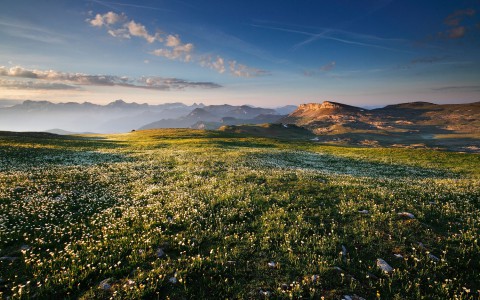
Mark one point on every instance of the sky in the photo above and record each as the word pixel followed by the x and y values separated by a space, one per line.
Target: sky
pixel 263 53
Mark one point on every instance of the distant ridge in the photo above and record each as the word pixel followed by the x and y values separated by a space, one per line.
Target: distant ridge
pixel 333 117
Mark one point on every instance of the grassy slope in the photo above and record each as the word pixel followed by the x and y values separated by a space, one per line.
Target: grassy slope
pixel 222 206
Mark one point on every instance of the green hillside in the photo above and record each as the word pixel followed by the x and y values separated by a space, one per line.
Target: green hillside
pixel 191 214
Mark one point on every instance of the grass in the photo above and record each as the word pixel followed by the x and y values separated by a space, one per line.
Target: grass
pixel 235 217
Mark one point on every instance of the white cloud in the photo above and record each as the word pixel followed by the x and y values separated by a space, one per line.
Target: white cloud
pixel 240 70
pixel 31 85
pixel 119 33
pixel 109 18
pixel 119 26
pixel 173 41
pixel 137 29
pixel 218 64
pixel 178 50
pixel 51 79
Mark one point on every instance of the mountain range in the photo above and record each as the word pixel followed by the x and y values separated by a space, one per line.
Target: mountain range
pixel 119 116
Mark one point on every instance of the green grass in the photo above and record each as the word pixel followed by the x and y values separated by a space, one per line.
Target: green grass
pixel 75 211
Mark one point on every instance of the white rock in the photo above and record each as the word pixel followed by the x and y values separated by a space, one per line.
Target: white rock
pixel 173 280
pixel 405 214
pixel 398 255
pixel 384 266
pixel 363 212
pixel 272 264
pixel 105 284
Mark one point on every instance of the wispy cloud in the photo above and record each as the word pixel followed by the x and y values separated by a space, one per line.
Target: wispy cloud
pixel 31 85
pixel 51 79
pixel 172 47
pixel 176 50
pixel 342 36
pixel 428 59
pixel 109 4
pixel 455 21
pixel 25 30
pixel 452 88
pixel 323 69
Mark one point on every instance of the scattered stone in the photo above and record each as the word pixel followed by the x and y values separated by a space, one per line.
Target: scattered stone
pixel 315 278
pixel 398 255
pixel 160 253
pixel 433 257
pixel 172 280
pixel 231 262
pixel 344 253
pixel 384 266
pixel 25 248
pixel 354 297
pixel 130 282
pixel 363 212
pixel 8 258
pixel 406 215
pixel 105 284
pixel 265 293
pixel 18 189
pixel 272 264
pixel 338 269
pixel 284 286
pixel 432 202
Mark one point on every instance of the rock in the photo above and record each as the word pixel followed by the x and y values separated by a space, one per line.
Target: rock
pixel 372 276
pixel 338 269
pixel 284 286
pixel 363 212
pixel 354 297
pixel 272 264
pixel 406 215
pixel 265 293
pixel 398 255
pixel 25 248
pixel 384 266
pixel 8 258
pixel 344 253
pixel 105 284
pixel 19 189
pixel 433 257
pixel 172 280
pixel 160 253
pixel 315 278
pixel 130 282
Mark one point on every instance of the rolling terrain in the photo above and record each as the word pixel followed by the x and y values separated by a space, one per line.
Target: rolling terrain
pixel 184 214
pixel 414 125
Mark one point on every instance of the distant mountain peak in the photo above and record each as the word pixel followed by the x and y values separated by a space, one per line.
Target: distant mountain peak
pixel 325 105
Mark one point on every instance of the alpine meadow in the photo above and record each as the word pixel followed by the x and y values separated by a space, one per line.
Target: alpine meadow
pixel 181 149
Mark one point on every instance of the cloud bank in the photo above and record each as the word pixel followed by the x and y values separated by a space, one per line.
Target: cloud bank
pixel 50 79
pixel 172 47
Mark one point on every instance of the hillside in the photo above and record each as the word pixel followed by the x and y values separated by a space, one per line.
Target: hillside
pixel 195 214
pixel 215 116
pixel 455 126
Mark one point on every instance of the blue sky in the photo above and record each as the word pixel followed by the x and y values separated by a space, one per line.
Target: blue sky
pixel 264 53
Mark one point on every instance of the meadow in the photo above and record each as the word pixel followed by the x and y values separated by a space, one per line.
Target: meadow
pixel 190 214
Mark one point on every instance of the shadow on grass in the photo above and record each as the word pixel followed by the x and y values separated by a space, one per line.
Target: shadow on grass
pixel 331 164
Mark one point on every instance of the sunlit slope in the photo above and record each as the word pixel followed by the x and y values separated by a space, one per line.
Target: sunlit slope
pixel 208 214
